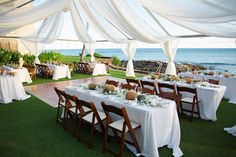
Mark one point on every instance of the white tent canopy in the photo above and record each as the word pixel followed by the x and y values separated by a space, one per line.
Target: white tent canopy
pixel 119 21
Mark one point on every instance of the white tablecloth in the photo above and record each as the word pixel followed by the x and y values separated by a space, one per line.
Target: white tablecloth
pixel 159 125
pixel 230 83
pixel 11 88
pixel 60 71
pixel 22 73
pixel 99 69
pixel 210 98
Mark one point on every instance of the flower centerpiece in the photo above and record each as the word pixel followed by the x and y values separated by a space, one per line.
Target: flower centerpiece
pixel 164 77
pixel 92 86
pixel 131 95
pixel 109 89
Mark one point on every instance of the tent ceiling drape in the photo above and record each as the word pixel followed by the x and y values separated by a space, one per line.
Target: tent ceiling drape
pixel 120 21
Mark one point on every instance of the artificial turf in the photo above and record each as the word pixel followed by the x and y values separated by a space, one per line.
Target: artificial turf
pixel 29 129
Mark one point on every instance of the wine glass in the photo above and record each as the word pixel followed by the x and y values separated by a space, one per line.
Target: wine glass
pixel 139 90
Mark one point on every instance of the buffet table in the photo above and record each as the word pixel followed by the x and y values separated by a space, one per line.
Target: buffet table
pixel 59 71
pixel 11 88
pixel 210 97
pixel 159 124
pixel 230 83
pixel 99 69
pixel 21 73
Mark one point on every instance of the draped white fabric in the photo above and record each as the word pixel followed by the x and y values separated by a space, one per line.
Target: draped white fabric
pixel 98 22
pixel 170 47
pixel 34 48
pixel 213 18
pixel 125 18
pixel 32 15
pixel 92 51
pixel 79 25
pixel 48 32
pixel 119 21
pixel 129 53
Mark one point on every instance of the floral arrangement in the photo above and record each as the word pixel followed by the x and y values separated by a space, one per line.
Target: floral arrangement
pixel 109 89
pixel 130 95
pixel 92 86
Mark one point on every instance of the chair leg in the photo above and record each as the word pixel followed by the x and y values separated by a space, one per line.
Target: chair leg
pixel 198 110
pixel 135 142
pixel 78 131
pixel 65 118
pixel 122 144
pixel 91 136
pixel 75 125
pixel 193 106
pixel 105 139
pixel 58 110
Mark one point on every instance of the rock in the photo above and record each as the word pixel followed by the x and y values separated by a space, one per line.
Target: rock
pixel 152 66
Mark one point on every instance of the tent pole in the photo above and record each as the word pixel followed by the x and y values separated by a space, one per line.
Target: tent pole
pixel 82 53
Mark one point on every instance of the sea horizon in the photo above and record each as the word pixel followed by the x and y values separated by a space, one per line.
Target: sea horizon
pixel 215 59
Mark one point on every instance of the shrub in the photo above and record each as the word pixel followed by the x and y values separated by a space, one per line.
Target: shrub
pixel 96 54
pixel 29 59
pixel 50 56
pixel 116 61
pixel 9 55
pixel 15 56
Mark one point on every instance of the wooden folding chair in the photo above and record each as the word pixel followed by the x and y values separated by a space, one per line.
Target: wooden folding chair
pixel 135 82
pixel 168 91
pixel 123 126
pixel 149 87
pixel 92 118
pixel 189 100
pixel 61 105
pixel 73 109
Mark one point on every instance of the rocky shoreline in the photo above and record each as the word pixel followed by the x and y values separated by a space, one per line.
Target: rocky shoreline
pixel 152 66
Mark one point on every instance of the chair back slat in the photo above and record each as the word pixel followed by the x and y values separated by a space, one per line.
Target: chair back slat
pixel 128 86
pixel 112 109
pixel 212 81
pixel 186 89
pixel 61 95
pixel 112 82
pixel 133 82
pixel 149 87
pixel 162 86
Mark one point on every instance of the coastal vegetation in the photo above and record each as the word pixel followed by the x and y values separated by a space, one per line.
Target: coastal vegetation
pixel 50 56
pixel 116 61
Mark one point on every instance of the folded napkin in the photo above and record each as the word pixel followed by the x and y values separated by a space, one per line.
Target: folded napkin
pixel 231 130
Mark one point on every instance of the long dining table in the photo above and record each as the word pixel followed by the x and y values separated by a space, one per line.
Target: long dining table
pixel 159 122
pixel 230 83
pixel 209 95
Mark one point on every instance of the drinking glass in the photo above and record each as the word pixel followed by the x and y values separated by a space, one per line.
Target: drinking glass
pixel 139 90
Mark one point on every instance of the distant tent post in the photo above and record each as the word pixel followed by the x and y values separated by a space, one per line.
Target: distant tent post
pixel 82 53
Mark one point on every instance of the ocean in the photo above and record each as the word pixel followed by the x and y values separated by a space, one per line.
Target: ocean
pixel 216 59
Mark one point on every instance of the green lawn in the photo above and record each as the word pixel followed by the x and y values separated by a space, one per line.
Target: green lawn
pixel 71 59
pixel 29 129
